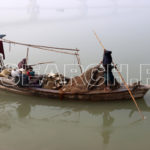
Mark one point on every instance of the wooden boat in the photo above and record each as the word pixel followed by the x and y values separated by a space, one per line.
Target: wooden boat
pixel 94 95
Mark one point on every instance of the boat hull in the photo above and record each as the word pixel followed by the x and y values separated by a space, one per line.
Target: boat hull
pixel 119 94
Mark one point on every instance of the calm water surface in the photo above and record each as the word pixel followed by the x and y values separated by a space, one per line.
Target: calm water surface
pixel 35 123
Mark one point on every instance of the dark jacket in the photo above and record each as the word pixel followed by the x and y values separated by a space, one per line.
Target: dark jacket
pixel 107 59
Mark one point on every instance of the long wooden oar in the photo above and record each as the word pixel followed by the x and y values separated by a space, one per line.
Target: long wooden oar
pixel 126 85
pixel 99 40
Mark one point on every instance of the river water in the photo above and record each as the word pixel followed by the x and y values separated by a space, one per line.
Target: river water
pixel 36 123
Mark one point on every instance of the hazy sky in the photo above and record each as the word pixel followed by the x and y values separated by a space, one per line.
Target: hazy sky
pixel 73 3
pixel 123 26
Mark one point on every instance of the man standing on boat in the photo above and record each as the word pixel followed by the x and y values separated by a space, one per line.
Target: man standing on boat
pixel 107 64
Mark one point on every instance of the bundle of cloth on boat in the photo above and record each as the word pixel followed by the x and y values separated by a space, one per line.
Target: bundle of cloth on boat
pixel 22 77
pixel 54 81
pixel 5 73
pixel 92 79
pixel 27 78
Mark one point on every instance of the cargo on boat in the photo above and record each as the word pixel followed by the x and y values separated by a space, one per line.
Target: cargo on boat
pixel 97 94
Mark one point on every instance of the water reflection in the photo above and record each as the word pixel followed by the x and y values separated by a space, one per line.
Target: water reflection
pixel 5 124
pixel 107 127
pixel 25 109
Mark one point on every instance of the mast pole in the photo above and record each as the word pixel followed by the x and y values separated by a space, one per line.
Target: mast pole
pixel 27 55
pixel 79 62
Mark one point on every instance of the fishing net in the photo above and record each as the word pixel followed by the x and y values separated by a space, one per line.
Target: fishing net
pixel 92 79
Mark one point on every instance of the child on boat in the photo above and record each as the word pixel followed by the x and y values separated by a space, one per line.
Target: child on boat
pixel 30 72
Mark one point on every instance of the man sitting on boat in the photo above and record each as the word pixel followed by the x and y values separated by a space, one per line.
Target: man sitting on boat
pixel 22 64
pixel 107 64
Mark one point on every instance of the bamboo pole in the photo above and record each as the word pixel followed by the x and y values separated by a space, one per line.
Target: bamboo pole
pixel 9 47
pixel 42 63
pixel 35 46
pixel 67 49
pixel 99 40
pixel 126 85
pixel 27 55
pixel 31 45
pixel 79 62
pixel 56 51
